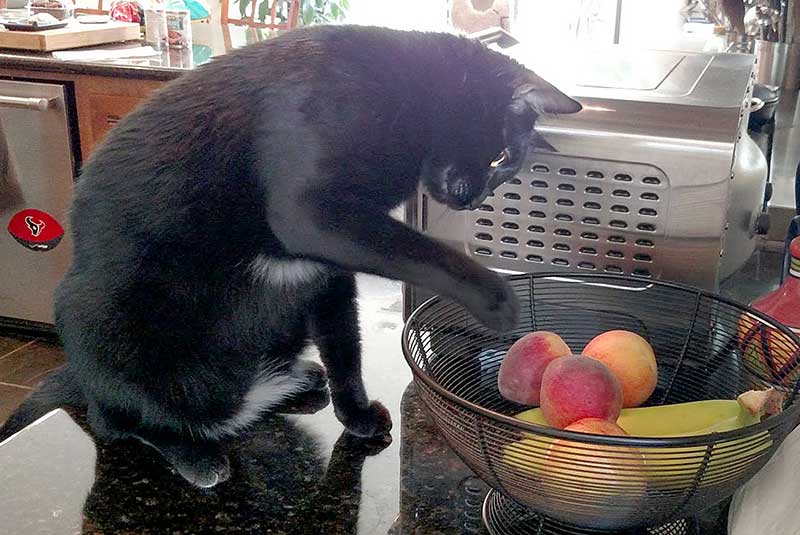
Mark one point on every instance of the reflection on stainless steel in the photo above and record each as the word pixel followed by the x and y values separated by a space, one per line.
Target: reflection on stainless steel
pixel 771 62
pixel 785 159
pixel 37 104
pixel 750 168
pixel 39 142
pixel 10 190
pixel 655 177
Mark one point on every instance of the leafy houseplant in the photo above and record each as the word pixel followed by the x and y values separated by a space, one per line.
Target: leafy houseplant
pixel 311 11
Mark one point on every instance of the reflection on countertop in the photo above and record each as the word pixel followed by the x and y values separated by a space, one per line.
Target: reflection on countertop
pixel 208 40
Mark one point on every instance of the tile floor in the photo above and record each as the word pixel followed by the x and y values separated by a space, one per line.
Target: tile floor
pixel 23 363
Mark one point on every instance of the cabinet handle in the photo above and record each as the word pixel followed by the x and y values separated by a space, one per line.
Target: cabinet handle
pixel 36 104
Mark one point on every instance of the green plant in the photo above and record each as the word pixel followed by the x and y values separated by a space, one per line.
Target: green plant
pixel 322 11
pixel 311 11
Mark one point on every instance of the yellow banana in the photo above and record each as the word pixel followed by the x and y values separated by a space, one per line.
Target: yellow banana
pixel 688 419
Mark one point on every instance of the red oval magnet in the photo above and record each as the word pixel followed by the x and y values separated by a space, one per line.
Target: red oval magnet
pixel 36 230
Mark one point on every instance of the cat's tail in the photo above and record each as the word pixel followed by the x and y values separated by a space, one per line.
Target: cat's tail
pixel 60 388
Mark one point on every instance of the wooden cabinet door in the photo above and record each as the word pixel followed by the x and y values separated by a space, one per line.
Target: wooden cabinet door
pixel 106 111
pixel 103 101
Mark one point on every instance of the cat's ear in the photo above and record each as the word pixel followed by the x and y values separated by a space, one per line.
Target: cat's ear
pixel 542 98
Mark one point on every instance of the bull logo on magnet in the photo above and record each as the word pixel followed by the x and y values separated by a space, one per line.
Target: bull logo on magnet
pixel 35 230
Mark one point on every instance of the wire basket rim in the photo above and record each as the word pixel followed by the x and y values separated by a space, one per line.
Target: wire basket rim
pixel 646 442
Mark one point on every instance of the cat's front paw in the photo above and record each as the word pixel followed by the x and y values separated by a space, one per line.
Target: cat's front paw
pixel 372 421
pixel 498 306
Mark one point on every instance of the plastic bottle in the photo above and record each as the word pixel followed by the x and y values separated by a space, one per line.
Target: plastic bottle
pixel 155 25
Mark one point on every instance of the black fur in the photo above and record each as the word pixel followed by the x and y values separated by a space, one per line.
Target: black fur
pixel 294 148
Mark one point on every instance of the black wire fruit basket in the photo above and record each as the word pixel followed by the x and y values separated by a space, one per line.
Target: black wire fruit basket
pixel 707 348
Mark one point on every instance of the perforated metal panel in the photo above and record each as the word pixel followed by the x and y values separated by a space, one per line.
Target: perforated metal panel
pixel 574 213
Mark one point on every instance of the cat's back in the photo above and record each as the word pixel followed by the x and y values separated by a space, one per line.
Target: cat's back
pixel 192 148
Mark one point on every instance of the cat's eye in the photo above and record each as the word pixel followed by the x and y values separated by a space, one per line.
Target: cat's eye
pixel 500 160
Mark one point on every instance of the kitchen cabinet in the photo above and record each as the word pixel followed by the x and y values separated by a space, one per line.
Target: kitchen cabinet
pixel 102 102
pixel 98 102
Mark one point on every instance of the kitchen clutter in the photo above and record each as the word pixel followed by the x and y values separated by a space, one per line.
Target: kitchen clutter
pixel 166 23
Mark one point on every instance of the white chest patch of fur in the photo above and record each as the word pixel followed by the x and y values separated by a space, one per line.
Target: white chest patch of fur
pixel 282 272
pixel 268 390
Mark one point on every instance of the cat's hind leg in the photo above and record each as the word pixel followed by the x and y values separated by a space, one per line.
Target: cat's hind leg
pixel 271 388
pixel 312 400
pixel 200 461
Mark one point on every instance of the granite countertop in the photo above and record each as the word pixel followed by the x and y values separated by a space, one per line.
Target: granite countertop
pixel 208 40
pixel 291 473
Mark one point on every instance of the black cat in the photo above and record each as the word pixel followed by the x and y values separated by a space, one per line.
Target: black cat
pixel 218 227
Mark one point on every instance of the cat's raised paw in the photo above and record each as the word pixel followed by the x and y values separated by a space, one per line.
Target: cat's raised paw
pixel 498 308
pixel 372 421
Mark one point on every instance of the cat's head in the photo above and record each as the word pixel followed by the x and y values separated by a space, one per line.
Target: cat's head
pixel 469 164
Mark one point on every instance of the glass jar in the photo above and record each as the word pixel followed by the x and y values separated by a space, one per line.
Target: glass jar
pixel 155 26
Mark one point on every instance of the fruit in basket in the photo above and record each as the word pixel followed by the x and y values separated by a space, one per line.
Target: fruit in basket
pixel 520 376
pixel 664 467
pixel 631 359
pixel 577 387
pixel 596 426
pixel 596 467
pixel 569 466
pixel 692 418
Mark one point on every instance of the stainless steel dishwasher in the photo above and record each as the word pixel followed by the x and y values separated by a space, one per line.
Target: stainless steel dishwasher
pixel 37 171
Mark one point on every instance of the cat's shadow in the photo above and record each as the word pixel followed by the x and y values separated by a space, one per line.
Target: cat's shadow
pixel 279 484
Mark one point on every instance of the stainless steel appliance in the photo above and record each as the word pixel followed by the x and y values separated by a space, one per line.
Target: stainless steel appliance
pixel 656 177
pixel 37 169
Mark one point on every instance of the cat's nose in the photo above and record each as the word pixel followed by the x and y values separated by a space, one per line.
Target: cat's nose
pixel 460 191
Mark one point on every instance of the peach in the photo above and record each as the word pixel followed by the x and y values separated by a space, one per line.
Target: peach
pixel 600 470
pixel 631 359
pixel 596 426
pixel 577 387
pixel 520 376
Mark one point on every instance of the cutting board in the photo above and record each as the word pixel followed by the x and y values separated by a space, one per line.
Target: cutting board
pixel 73 36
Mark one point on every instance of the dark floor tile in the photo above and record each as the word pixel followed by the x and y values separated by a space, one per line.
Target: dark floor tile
pixel 9 344
pixel 10 398
pixel 28 365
